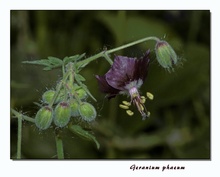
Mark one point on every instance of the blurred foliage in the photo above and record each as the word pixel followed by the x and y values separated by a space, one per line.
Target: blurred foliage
pixel 179 126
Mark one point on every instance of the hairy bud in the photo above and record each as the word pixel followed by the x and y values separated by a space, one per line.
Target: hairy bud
pixel 87 111
pixel 165 55
pixel 62 114
pixel 44 118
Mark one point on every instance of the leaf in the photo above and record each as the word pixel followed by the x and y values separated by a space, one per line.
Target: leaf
pixel 81 56
pixel 50 63
pixel 43 62
pixel 78 130
pixel 70 59
pixel 80 77
pixel 55 61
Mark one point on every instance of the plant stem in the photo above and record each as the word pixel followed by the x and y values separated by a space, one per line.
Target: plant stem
pixel 59 146
pixel 108 58
pixel 17 114
pixel 66 75
pixel 106 52
pixel 133 43
pixel 19 136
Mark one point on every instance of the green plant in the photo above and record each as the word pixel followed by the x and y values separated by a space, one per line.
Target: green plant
pixel 68 103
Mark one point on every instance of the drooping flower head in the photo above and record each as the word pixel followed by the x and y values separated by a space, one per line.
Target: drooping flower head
pixel 125 77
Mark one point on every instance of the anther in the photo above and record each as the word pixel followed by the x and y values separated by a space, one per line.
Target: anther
pixel 143 99
pixel 142 107
pixel 123 106
pixel 126 103
pixel 150 95
pixel 129 112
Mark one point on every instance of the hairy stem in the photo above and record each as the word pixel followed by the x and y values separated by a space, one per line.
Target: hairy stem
pixel 66 75
pixel 106 52
pixel 133 43
pixel 24 117
pixel 59 145
pixel 19 136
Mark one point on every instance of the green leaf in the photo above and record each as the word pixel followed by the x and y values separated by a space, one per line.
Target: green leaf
pixel 80 66
pixel 81 56
pixel 43 62
pixel 55 61
pixel 50 63
pixel 78 130
pixel 70 59
pixel 80 77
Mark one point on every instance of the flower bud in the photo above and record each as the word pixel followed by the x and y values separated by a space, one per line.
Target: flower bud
pixel 62 114
pixel 87 111
pixel 81 94
pixel 44 117
pixel 165 55
pixel 74 108
pixel 48 96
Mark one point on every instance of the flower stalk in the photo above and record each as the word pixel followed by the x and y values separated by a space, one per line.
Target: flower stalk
pixel 106 52
pixel 19 136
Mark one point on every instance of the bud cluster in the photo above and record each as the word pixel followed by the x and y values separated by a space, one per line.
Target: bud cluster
pixel 68 100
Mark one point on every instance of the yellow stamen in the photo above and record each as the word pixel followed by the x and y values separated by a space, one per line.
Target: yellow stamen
pixel 129 112
pixel 148 114
pixel 143 99
pixel 150 95
pixel 123 106
pixel 142 107
pixel 126 103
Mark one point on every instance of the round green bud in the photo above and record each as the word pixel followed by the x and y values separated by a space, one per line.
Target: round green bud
pixel 74 108
pixel 62 114
pixel 44 117
pixel 87 111
pixel 81 93
pixel 165 55
pixel 48 96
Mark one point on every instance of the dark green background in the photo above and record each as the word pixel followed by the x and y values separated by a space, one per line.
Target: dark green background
pixel 179 126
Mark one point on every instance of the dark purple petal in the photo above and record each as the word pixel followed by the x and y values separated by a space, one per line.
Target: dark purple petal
pixel 142 65
pixel 121 73
pixel 125 70
pixel 106 88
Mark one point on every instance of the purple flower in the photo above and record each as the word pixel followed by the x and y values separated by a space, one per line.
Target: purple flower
pixel 125 77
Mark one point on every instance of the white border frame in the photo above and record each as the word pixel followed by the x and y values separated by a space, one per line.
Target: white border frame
pixel 105 168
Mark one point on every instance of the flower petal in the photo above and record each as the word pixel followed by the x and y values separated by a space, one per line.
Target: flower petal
pixel 122 72
pixel 106 88
pixel 125 70
pixel 142 65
